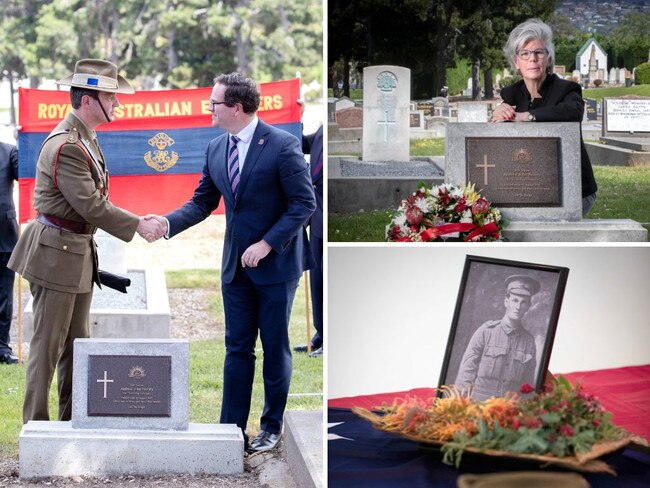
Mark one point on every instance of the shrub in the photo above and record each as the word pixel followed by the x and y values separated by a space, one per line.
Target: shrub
pixel 597 83
pixel 642 74
pixel 503 82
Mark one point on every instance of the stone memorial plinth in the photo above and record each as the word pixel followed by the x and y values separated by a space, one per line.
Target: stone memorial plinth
pixel 531 172
pixel 528 171
pixel 130 415
pixel 386 110
pixel 143 312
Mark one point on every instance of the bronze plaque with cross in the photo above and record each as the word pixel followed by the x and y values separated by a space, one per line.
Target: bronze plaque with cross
pixel 129 386
pixel 516 171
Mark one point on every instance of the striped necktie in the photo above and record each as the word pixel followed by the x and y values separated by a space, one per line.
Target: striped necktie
pixel 233 164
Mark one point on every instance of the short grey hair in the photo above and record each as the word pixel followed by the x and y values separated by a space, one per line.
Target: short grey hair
pixel 532 29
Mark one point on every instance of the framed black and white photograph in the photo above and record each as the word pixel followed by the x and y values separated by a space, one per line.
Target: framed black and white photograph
pixel 503 326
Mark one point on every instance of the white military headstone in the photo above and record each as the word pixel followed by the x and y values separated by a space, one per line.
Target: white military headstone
pixel 386 110
pixel 472 112
pixel 623 115
pixel 613 76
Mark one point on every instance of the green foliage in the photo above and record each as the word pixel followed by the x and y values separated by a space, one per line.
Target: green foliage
pixel 642 74
pixel 171 43
pixel 563 422
pixel 503 82
pixel 457 76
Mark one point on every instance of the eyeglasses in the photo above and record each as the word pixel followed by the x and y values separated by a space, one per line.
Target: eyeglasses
pixel 539 53
pixel 213 104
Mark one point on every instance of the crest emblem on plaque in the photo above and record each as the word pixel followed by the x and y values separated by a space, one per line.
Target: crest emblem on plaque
pixel 161 158
pixel 522 155
pixel 137 372
pixel 386 81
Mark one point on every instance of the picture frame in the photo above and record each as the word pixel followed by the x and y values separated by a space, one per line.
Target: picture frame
pixel 503 326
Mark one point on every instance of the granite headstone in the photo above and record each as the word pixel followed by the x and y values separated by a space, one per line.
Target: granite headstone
pixel 528 171
pixel 386 110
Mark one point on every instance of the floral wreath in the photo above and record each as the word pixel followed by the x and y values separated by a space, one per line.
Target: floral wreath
pixel 445 212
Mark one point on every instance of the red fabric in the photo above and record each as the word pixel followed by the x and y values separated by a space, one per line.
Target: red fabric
pixel 623 391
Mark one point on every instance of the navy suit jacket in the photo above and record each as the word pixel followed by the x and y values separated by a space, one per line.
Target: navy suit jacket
pixel 313 145
pixel 275 199
pixel 8 173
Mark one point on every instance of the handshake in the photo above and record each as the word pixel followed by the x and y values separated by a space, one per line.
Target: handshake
pixel 152 227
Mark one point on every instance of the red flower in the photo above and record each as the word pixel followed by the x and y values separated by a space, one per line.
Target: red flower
pixel 566 430
pixel 516 423
pixel 444 197
pixel 414 216
pixel 526 389
pixel 532 422
pixel 480 206
pixel 461 205
pixel 595 423
pixel 430 234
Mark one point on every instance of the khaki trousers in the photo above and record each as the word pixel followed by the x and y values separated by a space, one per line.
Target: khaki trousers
pixel 59 318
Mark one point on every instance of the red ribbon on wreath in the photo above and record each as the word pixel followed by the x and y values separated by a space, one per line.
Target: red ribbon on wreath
pixel 441 230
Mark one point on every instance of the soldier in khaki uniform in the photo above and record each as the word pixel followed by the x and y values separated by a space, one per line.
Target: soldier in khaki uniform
pixel 57 253
pixel 500 356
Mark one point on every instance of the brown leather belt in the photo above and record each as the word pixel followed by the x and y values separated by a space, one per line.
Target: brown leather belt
pixel 65 224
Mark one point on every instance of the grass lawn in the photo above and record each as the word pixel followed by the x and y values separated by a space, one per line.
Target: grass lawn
pixel 419 147
pixel 623 193
pixel 616 91
pixel 206 372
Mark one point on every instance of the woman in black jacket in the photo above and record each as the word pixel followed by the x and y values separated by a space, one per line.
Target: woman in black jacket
pixel 542 96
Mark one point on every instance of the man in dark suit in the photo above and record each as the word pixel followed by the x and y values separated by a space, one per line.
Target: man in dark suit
pixel 261 174
pixel 313 144
pixel 8 239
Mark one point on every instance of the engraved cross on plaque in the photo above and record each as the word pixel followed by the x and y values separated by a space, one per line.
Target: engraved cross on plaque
pixel 386 123
pixel 105 381
pixel 485 167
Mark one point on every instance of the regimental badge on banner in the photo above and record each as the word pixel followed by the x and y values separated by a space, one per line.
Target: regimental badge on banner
pixel 161 160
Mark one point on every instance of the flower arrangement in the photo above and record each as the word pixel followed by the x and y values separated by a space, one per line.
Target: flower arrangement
pixel 558 423
pixel 442 212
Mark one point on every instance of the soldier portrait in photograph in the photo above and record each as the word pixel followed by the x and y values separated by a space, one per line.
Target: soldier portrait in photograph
pixel 503 327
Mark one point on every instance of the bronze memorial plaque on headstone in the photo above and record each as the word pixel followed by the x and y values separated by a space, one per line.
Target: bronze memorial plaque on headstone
pixel 129 386
pixel 516 172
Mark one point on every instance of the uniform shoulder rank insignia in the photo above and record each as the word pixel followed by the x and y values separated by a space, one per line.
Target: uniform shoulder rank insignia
pixel 73 136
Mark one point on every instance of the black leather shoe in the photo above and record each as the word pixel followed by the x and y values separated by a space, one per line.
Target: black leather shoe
pixel 8 358
pixel 300 348
pixel 264 442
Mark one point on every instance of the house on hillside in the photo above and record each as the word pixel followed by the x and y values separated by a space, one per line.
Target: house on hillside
pixel 584 56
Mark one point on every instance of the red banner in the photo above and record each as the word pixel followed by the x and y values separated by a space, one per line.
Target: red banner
pixel 180 118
